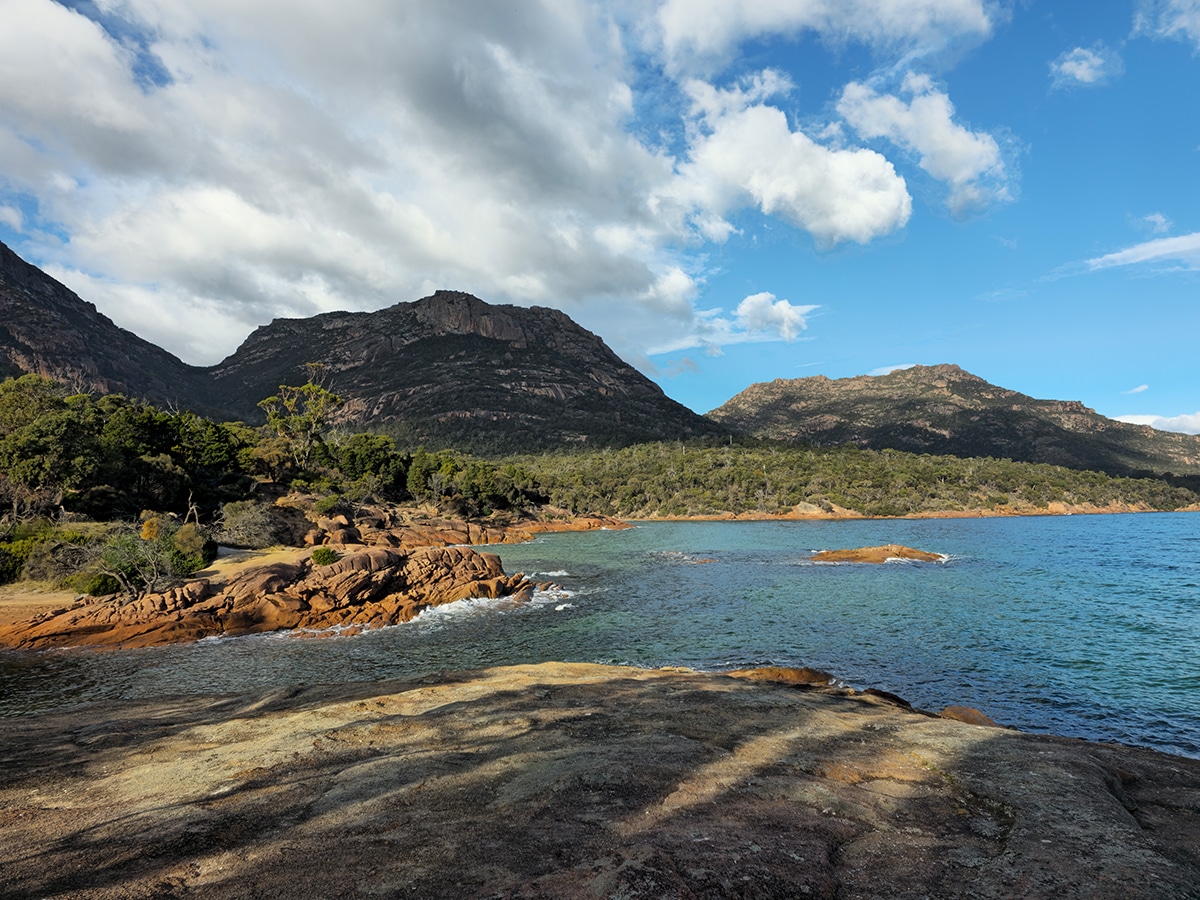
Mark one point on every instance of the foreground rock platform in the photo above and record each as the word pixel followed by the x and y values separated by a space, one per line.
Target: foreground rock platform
pixel 579 781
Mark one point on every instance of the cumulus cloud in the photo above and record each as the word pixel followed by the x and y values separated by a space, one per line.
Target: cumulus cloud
pixel 286 160
pixel 1178 19
pixel 969 162
pixel 199 168
pixel 1085 67
pixel 1179 252
pixel 701 34
pixel 746 154
pixel 758 317
pixel 1186 424
pixel 762 314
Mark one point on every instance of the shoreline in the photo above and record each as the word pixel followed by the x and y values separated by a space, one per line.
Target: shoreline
pixel 20 604
pixel 841 514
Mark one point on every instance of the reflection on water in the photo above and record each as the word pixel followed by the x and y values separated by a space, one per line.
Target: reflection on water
pixel 1085 626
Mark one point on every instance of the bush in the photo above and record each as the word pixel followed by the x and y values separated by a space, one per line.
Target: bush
pixel 94 584
pixel 13 556
pixel 248 524
pixel 325 556
pixel 327 505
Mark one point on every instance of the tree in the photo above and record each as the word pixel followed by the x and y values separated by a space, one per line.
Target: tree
pixel 145 559
pixel 300 414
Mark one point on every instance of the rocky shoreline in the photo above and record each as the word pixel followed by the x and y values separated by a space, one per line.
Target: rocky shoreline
pixel 389 569
pixel 573 780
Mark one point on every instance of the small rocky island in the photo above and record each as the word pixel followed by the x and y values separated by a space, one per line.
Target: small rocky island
pixel 880 554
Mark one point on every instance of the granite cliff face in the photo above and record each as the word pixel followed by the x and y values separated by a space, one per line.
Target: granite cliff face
pixel 46 329
pixel 451 368
pixel 448 369
pixel 945 410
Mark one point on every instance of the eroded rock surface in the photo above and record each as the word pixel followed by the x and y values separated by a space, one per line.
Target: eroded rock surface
pixel 578 781
pixel 390 571
pixel 369 588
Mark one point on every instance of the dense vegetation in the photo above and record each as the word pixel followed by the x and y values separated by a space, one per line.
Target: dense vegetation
pixel 688 480
pixel 105 494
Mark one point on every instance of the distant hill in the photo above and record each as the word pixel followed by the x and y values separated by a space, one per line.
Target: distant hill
pixel 447 370
pixel 945 410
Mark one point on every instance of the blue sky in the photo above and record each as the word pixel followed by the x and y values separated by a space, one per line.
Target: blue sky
pixel 727 191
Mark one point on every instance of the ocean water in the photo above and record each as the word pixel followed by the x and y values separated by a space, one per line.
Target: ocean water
pixel 1086 626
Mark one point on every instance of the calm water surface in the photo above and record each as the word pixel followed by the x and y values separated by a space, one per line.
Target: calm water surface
pixel 1086 626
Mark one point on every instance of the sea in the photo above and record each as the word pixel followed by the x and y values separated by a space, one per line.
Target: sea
pixel 1082 626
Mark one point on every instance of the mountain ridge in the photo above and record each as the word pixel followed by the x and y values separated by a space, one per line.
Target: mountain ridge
pixel 448 369
pixel 945 410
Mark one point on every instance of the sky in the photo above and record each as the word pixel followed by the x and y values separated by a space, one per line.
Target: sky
pixel 726 191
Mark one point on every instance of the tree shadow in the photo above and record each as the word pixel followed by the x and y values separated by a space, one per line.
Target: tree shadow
pixel 579 781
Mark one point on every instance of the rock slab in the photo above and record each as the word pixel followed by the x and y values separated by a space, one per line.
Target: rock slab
pixel 580 781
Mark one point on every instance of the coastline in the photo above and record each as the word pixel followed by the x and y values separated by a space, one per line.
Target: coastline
pixel 840 514
pixel 21 603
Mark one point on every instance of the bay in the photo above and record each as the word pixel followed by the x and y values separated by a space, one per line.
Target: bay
pixel 1085 626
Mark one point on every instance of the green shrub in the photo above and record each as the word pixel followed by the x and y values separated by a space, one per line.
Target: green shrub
pixel 94 584
pixel 327 505
pixel 324 556
pixel 13 556
pixel 248 524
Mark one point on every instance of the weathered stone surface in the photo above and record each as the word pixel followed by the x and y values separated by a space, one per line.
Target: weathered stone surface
pixel 407 567
pixel 876 554
pixel 969 715
pixel 577 781
pixel 372 587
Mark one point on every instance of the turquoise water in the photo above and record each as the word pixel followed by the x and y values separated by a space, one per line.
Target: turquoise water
pixel 1087 626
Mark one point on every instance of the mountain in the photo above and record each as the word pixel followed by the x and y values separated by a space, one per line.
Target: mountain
pixel 945 410
pixel 46 329
pixel 452 369
pixel 447 370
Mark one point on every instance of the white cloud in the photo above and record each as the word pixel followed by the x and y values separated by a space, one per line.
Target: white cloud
pixel 11 216
pixel 1085 67
pixel 763 314
pixel 969 162
pixel 1157 223
pixel 744 153
pixel 292 160
pixel 1141 388
pixel 1169 19
pixel 1182 251
pixel 888 370
pixel 758 317
pixel 213 165
pixel 700 34
pixel 1186 424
